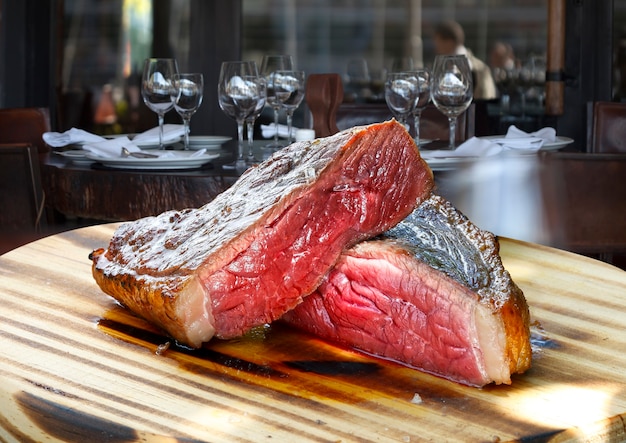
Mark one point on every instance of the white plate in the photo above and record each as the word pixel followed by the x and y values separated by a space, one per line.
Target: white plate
pixel 147 145
pixel 78 157
pixel 549 146
pixel 448 163
pixel 207 141
pixel 176 160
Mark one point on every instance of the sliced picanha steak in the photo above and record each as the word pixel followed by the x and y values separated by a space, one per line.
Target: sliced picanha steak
pixel 256 250
pixel 431 293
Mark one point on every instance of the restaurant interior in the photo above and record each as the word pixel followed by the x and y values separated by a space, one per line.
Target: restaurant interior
pixel 81 61
pixel 348 297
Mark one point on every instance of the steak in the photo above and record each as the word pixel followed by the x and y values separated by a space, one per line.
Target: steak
pixel 431 293
pixel 257 249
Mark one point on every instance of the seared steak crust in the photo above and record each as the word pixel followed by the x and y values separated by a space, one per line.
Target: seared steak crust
pixel 258 248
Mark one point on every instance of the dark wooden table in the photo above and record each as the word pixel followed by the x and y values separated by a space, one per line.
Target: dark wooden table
pixel 99 193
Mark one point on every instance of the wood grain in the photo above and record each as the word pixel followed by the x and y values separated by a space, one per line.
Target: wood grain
pixel 75 366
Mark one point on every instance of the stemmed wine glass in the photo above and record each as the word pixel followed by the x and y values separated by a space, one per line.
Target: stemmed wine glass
pixel 358 76
pixel 270 64
pixel 401 94
pixel 238 92
pixel 451 88
pixel 288 87
pixel 156 87
pixel 422 100
pixel 187 94
pixel 252 118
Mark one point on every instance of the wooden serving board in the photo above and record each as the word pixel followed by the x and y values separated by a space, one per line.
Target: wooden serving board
pixel 75 366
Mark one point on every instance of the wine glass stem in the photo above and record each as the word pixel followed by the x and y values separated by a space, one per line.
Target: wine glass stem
pixel 416 123
pixel 186 122
pixel 289 123
pixel 452 121
pixel 161 119
pixel 240 140
pixel 250 127
pixel 276 125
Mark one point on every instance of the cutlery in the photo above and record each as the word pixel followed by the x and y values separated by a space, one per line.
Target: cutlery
pixel 126 153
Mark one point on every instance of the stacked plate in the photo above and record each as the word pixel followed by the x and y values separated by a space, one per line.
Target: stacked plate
pixel 209 142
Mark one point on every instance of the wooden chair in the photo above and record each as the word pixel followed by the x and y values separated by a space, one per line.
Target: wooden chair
pixel 25 125
pixel 324 94
pixel 21 196
pixel 607 127
pixel 585 202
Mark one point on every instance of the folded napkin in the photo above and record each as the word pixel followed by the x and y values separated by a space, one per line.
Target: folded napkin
pixel 268 131
pixel 151 136
pixel 70 137
pixel 111 148
pixel 546 134
pixel 516 139
pixel 473 147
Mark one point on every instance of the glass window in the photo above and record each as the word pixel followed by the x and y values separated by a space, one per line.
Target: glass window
pixel 327 36
pixel 323 35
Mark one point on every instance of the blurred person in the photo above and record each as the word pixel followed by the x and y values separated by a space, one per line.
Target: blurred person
pixel 502 56
pixel 503 63
pixel 449 39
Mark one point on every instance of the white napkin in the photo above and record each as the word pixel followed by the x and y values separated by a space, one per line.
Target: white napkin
pixel 170 132
pixel 546 134
pixel 198 153
pixel 268 131
pixel 516 139
pixel 111 148
pixel 69 137
pixel 473 147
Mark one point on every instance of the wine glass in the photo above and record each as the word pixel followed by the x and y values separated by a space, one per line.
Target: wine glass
pixel 187 97
pixel 402 64
pixel 156 87
pixel 358 76
pixel 422 100
pixel 238 92
pixel 252 118
pixel 451 88
pixel 288 87
pixel 270 64
pixel 401 94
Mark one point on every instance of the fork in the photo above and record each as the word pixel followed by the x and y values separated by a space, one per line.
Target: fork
pixel 126 153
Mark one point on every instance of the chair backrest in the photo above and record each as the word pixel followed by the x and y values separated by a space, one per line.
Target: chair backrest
pixel 608 131
pixel 25 125
pixel 433 124
pixel 585 201
pixel 324 94
pixel 21 195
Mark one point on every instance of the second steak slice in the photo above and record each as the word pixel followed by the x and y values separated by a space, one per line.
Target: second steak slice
pixel 431 293
pixel 256 250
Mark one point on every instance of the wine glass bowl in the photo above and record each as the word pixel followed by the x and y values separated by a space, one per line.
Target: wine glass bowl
pixel 156 88
pixel 401 94
pixel 358 79
pixel 288 88
pixel 452 88
pixel 269 65
pixel 187 95
pixel 238 91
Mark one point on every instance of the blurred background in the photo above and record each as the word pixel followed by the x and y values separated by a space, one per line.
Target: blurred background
pixel 92 51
